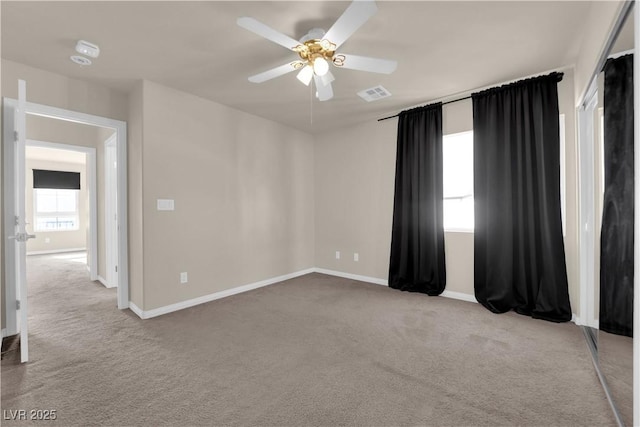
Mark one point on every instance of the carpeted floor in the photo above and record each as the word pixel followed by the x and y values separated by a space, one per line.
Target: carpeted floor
pixel 316 350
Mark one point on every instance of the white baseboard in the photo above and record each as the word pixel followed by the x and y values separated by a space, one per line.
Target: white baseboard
pixel 104 282
pixel 212 297
pixel 137 310
pixel 367 279
pixel 56 251
pixel 148 314
pixel 459 295
pixel 446 294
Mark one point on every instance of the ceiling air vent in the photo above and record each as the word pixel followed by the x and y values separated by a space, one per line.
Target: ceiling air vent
pixel 374 93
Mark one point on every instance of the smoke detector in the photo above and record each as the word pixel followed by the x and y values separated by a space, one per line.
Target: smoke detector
pixel 86 48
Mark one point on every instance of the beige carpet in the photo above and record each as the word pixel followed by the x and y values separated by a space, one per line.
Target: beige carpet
pixel 316 350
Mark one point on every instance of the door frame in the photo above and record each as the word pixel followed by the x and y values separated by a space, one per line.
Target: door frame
pixel 636 219
pixel 90 163
pixel 120 127
pixel 110 211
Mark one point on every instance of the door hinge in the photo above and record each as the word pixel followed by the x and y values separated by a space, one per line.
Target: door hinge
pixel 15 136
pixel 18 304
pixel 116 268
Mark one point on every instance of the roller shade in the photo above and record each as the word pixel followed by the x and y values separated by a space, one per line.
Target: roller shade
pixel 56 179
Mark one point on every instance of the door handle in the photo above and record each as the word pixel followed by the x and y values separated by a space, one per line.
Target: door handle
pixel 22 237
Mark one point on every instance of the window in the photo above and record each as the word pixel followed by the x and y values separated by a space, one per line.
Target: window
pixel 55 210
pixel 457 170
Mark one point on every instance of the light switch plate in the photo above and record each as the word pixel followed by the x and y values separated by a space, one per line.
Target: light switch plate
pixel 166 205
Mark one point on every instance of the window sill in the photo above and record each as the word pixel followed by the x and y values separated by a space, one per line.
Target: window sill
pixel 458 230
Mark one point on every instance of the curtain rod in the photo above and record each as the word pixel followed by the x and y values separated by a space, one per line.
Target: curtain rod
pixel 619 54
pixel 557 70
pixel 443 103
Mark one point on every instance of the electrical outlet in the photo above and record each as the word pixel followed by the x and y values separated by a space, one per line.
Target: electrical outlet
pixel 47 240
pixel 337 254
pixel 183 278
pixel 356 257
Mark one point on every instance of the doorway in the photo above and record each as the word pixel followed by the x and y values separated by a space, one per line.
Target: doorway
pixel 14 309
pixel 63 220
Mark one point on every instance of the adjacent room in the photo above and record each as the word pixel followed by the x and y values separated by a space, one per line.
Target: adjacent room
pixel 319 213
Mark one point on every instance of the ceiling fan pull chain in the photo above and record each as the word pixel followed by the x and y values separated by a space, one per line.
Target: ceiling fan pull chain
pixel 311 104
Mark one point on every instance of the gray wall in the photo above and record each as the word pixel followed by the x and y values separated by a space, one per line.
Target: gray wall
pixel 243 191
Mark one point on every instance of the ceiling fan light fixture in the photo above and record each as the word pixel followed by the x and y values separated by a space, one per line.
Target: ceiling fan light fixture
pixel 320 66
pixel 305 75
pixel 327 78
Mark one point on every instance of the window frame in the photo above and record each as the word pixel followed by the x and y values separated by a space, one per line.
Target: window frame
pixel 72 214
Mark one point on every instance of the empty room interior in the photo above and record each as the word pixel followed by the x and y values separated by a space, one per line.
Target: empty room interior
pixel 319 213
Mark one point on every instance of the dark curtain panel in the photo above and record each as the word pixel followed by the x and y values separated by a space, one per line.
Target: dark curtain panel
pixel 56 179
pixel 616 239
pixel 417 241
pixel 518 244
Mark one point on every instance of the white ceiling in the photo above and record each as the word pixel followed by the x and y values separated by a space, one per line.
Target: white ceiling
pixel 442 48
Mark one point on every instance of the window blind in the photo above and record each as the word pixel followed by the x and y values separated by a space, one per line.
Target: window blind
pixel 56 179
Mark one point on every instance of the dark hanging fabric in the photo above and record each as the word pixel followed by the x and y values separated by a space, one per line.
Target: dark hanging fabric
pixel 417 239
pixel 56 179
pixel 518 245
pixel 616 238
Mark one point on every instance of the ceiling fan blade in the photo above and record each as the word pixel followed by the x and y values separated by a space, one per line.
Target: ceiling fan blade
pixel 358 12
pixel 325 91
pixel 267 32
pixel 364 63
pixel 273 73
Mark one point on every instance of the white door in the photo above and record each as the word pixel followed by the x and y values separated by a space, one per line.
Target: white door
pixel 111 209
pixel 18 240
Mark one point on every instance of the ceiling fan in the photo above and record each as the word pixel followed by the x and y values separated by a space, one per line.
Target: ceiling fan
pixel 317 49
